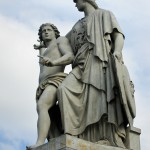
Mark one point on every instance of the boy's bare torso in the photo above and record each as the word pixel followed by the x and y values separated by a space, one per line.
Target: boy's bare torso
pixel 53 53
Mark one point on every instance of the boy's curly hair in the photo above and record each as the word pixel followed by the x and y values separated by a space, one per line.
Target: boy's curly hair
pixel 57 33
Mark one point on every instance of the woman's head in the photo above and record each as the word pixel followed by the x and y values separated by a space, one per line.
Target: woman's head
pixel 92 2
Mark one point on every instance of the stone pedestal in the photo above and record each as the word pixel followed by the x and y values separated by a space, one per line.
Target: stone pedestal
pixel 133 138
pixel 67 142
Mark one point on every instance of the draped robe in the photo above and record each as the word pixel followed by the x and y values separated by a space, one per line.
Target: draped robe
pixel 89 97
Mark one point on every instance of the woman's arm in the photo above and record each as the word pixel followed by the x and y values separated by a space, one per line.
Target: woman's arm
pixel 118 40
pixel 66 51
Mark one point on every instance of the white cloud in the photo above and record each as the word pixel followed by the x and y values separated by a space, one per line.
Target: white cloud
pixel 19 80
pixel 7 146
pixel 19 75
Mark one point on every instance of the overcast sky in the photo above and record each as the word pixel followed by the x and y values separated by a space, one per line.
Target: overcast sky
pixel 19 70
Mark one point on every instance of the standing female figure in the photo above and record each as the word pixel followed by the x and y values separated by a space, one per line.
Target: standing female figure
pixel 89 98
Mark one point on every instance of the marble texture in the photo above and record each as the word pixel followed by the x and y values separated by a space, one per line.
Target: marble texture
pixel 67 142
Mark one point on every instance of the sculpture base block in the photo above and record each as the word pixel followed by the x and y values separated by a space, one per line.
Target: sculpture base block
pixel 133 138
pixel 67 142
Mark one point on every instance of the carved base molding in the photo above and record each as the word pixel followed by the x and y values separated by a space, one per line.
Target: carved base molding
pixel 67 142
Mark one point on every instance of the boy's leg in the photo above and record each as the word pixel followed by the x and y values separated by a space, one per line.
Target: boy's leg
pixel 45 102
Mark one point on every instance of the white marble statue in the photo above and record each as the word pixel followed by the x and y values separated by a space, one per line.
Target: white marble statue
pixel 96 99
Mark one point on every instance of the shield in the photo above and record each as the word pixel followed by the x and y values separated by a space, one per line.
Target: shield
pixel 126 90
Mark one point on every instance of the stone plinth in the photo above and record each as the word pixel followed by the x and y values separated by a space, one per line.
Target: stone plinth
pixel 133 138
pixel 67 142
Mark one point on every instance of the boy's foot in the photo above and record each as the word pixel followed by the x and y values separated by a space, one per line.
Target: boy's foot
pixel 33 146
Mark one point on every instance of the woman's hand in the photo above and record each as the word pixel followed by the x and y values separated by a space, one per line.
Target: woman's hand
pixel 118 55
pixel 39 46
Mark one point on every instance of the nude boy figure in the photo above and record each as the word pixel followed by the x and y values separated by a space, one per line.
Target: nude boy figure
pixel 53 58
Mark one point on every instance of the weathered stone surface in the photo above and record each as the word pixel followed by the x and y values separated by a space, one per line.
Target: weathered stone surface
pixel 96 99
pixel 67 142
pixel 133 138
